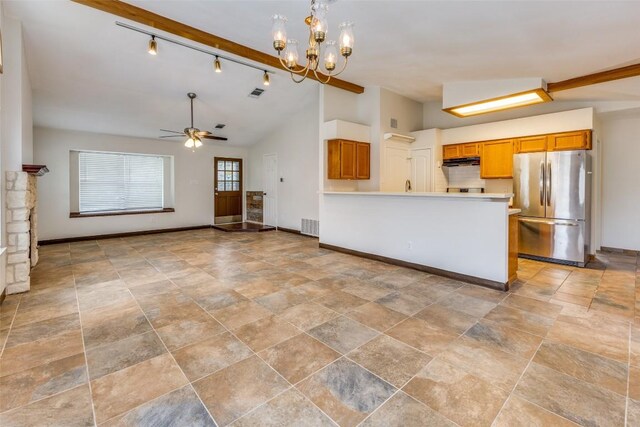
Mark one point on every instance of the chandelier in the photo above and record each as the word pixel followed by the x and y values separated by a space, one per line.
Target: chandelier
pixel 318 27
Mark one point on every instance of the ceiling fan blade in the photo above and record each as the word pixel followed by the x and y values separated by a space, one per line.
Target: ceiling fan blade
pixel 203 133
pixel 173 136
pixel 171 131
pixel 217 138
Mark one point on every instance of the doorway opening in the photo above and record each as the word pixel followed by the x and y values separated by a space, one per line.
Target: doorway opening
pixel 228 190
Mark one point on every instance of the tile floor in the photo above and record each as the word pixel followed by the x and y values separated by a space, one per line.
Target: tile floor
pixel 265 329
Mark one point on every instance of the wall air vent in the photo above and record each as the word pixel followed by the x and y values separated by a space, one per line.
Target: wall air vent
pixel 310 227
pixel 220 125
pixel 256 93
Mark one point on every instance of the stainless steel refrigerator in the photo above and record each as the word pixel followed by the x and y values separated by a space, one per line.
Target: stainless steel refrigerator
pixel 553 190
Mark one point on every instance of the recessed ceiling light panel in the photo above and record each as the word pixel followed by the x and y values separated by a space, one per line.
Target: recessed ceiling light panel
pixel 521 99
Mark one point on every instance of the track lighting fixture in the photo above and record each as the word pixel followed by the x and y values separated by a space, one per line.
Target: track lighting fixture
pixel 153 46
pixel 217 65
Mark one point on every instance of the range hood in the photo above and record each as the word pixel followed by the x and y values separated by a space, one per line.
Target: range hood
pixel 464 161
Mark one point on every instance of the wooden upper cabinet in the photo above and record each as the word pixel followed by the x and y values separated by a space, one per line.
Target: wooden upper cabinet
pixel 348 159
pixel 496 159
pixel 531 144
pixel 363 168
pixel 580 140
pixel 470 150
pixel 451 151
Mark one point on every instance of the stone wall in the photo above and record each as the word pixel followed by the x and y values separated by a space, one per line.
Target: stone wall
pixel 254 206
pixel 22 237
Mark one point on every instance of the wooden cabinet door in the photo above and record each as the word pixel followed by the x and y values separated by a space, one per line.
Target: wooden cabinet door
pixel 580 140
pixel 469 150
pixel 348 159
pixel 363 169
pixel 496 159
pixel 531 144
pixel 451 151
pixel 333 159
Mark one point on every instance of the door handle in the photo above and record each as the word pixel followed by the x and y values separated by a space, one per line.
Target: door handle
pixel 542 183
pixel 215 194
pixel 264 194
pixel 549 183
pixel 549 222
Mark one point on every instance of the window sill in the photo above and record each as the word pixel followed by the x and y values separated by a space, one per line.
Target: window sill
pixel 116 213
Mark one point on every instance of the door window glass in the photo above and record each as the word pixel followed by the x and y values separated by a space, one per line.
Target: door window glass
pixel 228 175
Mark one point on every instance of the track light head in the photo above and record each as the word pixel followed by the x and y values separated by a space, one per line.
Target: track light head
pixel 265 79
pixel 217 65
pixel 153 46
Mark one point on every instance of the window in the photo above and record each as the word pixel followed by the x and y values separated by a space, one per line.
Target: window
pixel 228 175
pixel 120 182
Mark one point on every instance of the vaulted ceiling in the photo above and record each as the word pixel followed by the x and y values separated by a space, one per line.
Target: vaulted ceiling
pixel 89 74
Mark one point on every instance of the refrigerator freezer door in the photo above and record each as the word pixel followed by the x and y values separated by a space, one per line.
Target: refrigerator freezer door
pixel 558 239
pixel 528 183
pixel 566 175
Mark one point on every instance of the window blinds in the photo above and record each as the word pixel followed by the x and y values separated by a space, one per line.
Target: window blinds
pixel 115 182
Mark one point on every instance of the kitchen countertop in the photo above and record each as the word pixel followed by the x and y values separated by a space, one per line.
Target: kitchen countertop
pixel 467 196
pixel 514 211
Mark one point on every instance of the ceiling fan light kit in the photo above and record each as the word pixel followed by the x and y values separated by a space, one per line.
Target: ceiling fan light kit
pixel 318 29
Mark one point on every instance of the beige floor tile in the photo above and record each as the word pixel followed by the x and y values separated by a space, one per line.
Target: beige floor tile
pixel 290 408
pixel 606 343
pixel 308 315
pixel 239 388
pixel 376 316
pixel 240 314
pixel 42 381
pixel 35 353
pixel 341 302
pixel 180 334
pixel 112 323
pixel 571 398
pixel 447 319
pixel 43 329
pixel 71 408
pixel 123 390
pixel 456 394
pixel 391 360
pixel 467 304
pixel 298 357
pixel 519 412
pixel 504 338
pixel 208 356
pixel 585 366
pixel 520 319
pixel 532 306
pixel 346 392
pixel 421 335
pixel 343 334
pixel 404 411
pixel 265 332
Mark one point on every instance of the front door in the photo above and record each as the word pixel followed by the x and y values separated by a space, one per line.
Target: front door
pixel 228 190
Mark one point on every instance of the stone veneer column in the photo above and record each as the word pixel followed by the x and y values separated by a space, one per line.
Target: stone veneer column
pixel 21 199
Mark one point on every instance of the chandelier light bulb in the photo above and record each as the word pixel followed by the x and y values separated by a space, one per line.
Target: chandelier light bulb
pixel 291 53
pixel 330 56
pixel 279 32
pixel 153 46
pixel 346 38
pixel 217 65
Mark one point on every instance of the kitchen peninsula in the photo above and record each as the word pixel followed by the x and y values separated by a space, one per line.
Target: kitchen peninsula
pixel 463 236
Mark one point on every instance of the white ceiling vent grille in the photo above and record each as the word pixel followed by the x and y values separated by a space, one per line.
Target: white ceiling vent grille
pixel 256 93
pixel 310 227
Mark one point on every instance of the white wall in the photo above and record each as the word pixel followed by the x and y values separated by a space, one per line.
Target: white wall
pixel 621 180
pixel 295 143
pixel 193 183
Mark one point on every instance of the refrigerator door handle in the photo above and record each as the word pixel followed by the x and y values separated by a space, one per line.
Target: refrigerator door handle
pixel 568 223
pixel 548 178
pixel 542 183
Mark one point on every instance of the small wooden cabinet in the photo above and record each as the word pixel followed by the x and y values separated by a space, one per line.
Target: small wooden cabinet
pixel 580 140
pixel 451 152
pixel 348 159
pixel 531 144
pixel 496 159
pixel 470 150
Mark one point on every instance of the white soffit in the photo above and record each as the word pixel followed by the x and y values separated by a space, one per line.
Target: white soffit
pixel 463 93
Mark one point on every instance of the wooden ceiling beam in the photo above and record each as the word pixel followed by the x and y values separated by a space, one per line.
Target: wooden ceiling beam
pixel 159 22
pixel 595 78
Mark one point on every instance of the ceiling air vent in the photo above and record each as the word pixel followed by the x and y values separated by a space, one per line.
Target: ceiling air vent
pixel 256 93
pixel 220 126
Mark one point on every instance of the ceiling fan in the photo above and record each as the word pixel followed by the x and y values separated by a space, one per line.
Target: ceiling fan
pixel 194 135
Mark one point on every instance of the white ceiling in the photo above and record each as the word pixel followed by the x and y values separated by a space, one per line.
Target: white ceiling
pixel 88 74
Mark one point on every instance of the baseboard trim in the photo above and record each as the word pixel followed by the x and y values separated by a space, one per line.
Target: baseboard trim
pixel 118 235
pixel 445 273
pixel 619 251
pixel 293 231
pixel 3 295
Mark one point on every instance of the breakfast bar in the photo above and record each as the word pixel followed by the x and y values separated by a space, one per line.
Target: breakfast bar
pixel 458 235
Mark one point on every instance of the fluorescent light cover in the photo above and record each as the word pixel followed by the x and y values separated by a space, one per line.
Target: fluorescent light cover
pixel 522 99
